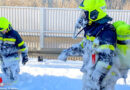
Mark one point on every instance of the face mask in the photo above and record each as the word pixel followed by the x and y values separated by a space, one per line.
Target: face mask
pixel 81 23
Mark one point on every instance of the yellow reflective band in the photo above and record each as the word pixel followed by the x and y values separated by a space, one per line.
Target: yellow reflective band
pixel 91 38
pixel 23 49
pixel 113 73
pixel 103 64
pixel 17 58
pixel 1 38
pixel 82 42
pixel 111 47
pixel 123 37
pixel 9 39
pixel 108 67
pixel 20 44
pixel 82 45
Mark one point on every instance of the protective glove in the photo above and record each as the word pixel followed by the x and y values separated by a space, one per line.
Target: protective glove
pixel 63 56
pixel 25 59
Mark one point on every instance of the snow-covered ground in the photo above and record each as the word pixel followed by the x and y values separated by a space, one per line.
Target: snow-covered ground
pixel 53 75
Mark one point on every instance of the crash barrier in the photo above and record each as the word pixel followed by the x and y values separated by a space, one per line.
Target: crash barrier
pixel 49 28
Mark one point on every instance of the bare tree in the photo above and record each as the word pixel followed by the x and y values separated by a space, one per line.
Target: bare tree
pixel 115 4
pixel 111 4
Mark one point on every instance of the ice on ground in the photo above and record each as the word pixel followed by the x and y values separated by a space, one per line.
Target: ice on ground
pixel 54 75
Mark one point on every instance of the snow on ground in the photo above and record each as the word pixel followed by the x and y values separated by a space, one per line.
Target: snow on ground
pixel 54 75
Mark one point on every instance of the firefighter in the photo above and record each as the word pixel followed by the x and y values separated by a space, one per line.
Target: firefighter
pixel 98 45
pixel 10 44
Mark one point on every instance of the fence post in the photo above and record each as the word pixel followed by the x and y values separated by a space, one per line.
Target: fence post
pixel 42 26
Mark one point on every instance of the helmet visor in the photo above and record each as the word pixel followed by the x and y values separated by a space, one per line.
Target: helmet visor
pixel 94 15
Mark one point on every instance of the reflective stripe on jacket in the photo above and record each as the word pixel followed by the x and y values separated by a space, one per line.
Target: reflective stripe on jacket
pixel 10 43
pixel 106 35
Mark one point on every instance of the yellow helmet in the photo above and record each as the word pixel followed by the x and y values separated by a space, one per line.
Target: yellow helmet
pixel 4 24
pixel 96 9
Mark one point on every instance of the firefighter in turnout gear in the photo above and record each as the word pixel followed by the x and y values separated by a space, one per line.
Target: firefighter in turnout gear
pixel 10 44
pixel 98 46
